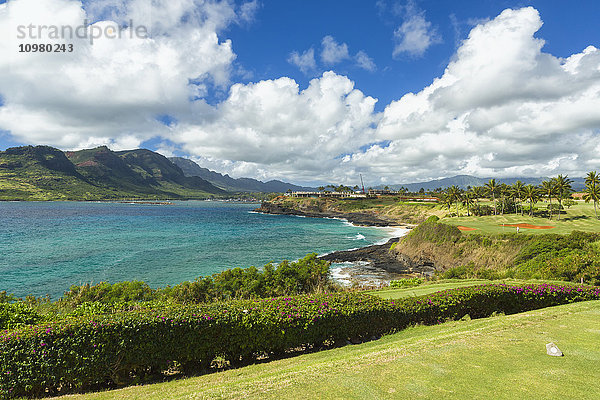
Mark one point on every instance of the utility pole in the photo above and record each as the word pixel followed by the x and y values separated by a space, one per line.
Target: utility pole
pixel 362 184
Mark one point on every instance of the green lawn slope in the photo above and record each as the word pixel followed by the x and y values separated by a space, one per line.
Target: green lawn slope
pixel 503 357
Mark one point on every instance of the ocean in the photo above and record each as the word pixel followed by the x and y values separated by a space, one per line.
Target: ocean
pixel 45 247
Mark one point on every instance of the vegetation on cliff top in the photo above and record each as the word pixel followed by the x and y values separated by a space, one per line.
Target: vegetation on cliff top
pixel 573 257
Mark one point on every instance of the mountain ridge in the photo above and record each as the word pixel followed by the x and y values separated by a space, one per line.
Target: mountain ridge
pixel 47 173
pixel 225 182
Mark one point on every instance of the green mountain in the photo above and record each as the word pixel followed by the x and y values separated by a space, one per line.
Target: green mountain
pixel 46 173
pixel 230 184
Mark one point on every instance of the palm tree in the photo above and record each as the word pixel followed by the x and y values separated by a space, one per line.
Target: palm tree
pixel 592 190
pixel 455 194
pixel 518 192
pixel 468 201
pixel 492 189
pixel 592 178
pixel 478 191
pixel 549 190
pixel 503 190
pixel 532 195
pixel 446 200
pixel 563 189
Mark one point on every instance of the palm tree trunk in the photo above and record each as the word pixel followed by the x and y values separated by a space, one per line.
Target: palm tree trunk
pixel 494 200
pixel 595 211
pixel 550 198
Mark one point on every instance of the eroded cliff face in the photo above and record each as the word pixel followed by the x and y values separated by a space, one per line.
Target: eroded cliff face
pixel 441 256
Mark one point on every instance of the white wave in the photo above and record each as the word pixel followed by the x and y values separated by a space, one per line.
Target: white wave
pixel 358 236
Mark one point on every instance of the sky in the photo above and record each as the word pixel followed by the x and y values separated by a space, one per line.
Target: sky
pixel 312 92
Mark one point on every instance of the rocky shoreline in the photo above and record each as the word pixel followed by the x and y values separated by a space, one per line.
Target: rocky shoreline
pixel 372 264
pixel 380 257
pixel 356 218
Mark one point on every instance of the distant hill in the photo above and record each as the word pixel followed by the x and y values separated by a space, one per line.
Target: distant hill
pixel 463 181
pixel 230 184
pixel 46 173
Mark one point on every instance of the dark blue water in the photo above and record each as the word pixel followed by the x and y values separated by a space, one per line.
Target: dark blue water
pixel 47 246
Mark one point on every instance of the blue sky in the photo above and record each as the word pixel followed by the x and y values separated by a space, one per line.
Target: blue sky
pixel 281 27
pixel 275 89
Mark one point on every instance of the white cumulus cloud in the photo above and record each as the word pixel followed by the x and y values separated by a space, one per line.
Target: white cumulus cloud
pixel 415 35
pixel 333 52
pixel 108 92
pixel 503 107
pixel 273 129
pixel 364 61
pixel 305 61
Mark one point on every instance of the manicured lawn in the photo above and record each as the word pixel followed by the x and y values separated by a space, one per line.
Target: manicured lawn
pixel 426 288
pixel 502 357
pixel 437 286
pixel 579 217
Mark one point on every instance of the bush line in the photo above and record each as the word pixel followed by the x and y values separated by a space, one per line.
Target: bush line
pixel 80 353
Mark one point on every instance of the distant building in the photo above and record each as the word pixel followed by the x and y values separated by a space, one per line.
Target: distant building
pixel 379 192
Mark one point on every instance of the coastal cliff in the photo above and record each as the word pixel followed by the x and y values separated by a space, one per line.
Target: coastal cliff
pixel 357 218
pixel 383 256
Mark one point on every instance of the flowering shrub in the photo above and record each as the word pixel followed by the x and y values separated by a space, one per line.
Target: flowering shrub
pixel 87 351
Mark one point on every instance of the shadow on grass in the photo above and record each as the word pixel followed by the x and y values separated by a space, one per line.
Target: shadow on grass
pixel 151 376
pixel 576 218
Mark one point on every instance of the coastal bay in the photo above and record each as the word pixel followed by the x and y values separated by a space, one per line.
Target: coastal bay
pixel 48 246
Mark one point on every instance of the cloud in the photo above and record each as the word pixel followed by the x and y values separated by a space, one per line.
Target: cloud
pixel 273 129
pixel 305 61
pixel 415 35
pixel 110 92
pixel 503 107
pixel 364 61
pixel 333 52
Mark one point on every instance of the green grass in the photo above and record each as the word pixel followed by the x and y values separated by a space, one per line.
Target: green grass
pixel 502 357
pixel 579 217
pixel 437 286
pixel 427 288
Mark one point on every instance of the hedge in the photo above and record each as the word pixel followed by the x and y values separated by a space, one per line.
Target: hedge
pixel 83 352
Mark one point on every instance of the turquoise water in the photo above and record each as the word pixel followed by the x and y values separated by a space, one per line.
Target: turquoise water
pixel 47 246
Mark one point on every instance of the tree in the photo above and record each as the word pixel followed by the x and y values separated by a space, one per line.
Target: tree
pixel 455 195
pixel 468 201
pixel 592 178
pixel 492 189
pixel 592 190
pixel 548 189
pixel 532 195
pixel 446 201
pixel 503 190
pixel 518 192
pixel 563 189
